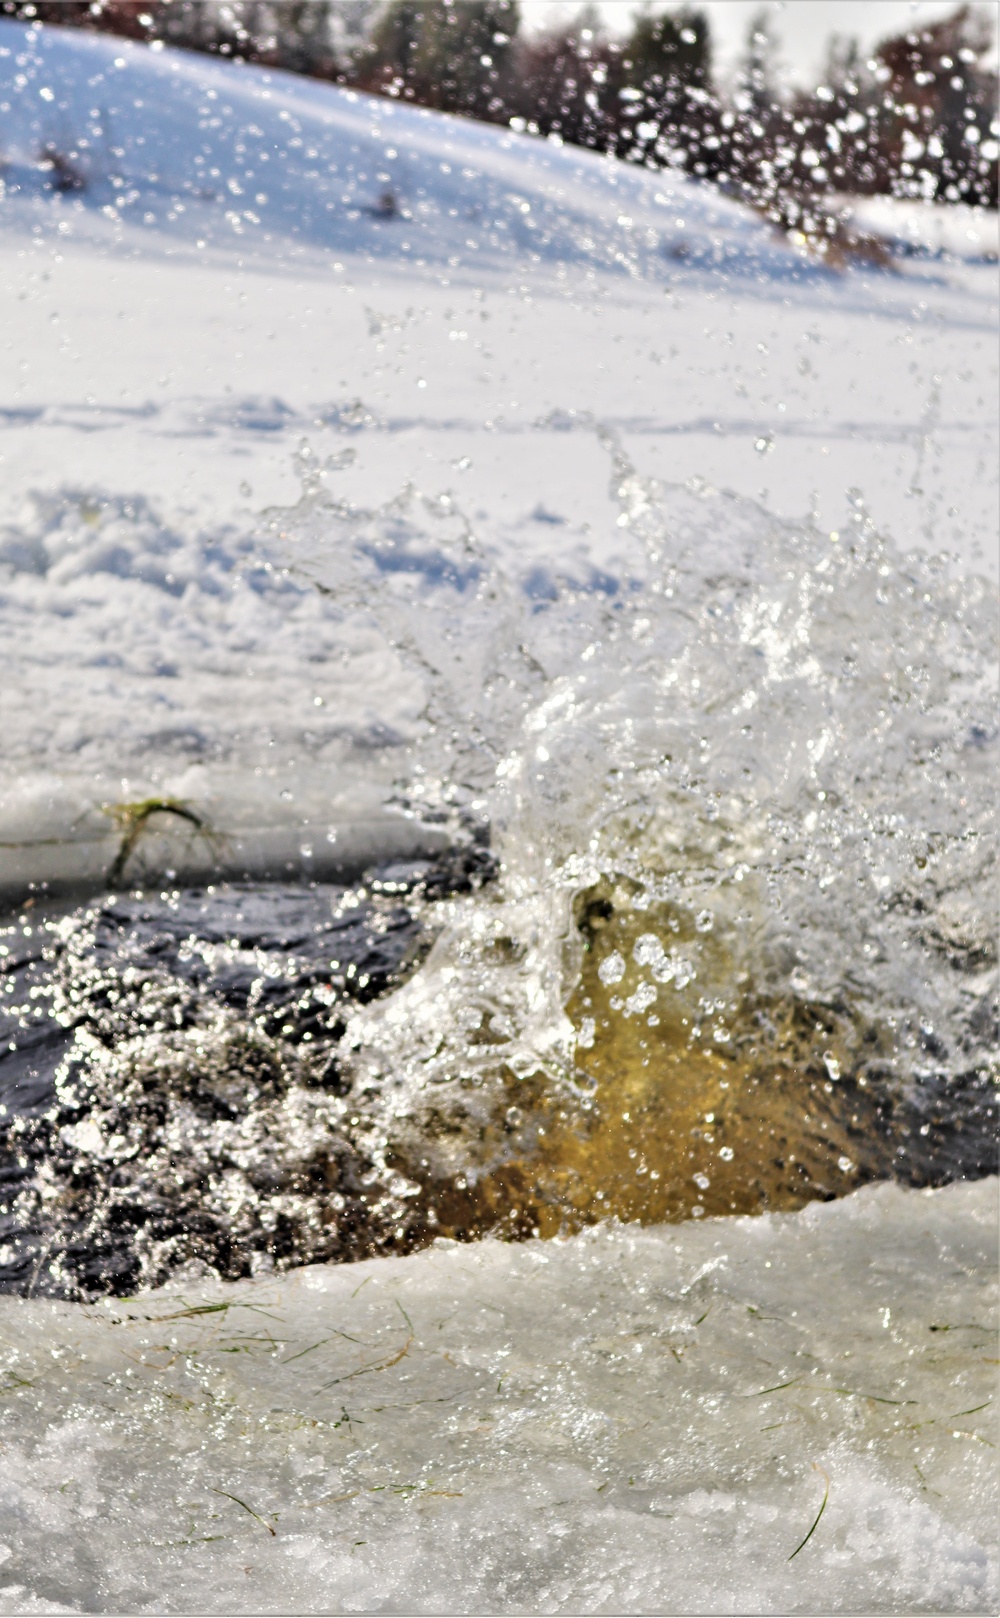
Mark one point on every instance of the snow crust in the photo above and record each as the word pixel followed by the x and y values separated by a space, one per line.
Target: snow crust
pixel 628 1421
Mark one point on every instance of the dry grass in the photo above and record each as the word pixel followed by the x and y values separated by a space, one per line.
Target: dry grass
pixel 132 821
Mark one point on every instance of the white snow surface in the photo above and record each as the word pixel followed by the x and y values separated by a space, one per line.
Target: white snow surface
pixel 545 370
pixel 628 1421
pixel 960 231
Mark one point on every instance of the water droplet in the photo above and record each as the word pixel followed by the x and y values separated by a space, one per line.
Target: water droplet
pixel 612 970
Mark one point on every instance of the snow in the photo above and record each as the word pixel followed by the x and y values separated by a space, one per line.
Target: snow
pixel 178 141
pixel 138 472
pixel 628 1421
pixel 516 502
pixel 960 231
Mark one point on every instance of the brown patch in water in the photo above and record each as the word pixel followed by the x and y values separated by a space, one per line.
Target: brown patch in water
pixel 688 1101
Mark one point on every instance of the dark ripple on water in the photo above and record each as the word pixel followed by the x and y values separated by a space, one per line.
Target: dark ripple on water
pixel 171 1090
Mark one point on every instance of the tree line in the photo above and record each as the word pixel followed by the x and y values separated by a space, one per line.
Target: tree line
pixel 915 118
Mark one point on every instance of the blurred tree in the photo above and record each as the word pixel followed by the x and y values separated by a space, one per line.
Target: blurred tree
pixel 670 50
pixel 466 50
pixel 756 137
pixel 453 54
pixel 757 75
pixel 569 83
pixel 669 111
pixel 303 35
pixel 395 41
pixel 122 17
pixel 225 30
pixel 936 133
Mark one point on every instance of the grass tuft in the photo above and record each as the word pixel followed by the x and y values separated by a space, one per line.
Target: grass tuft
pixel 971 1411
pixel 776 1388
pixel 379 1365
pixel 826 1495
pixel 249 1509
pixel 878 1398
pixel 302 1352
pixel 132 820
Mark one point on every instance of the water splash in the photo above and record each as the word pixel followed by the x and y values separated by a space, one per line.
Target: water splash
pixel 736 954
pixel 760 754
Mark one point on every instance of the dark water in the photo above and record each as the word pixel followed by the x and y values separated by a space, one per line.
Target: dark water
pixel 170 1080
pixel 179 1095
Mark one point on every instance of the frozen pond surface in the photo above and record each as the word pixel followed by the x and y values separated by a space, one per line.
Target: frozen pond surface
pixel 639 1421
pixel 569 608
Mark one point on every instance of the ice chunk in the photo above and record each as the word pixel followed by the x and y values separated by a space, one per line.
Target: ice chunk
pixel 630 1420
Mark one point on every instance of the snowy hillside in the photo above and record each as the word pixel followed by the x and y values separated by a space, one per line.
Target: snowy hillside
pixel 184 144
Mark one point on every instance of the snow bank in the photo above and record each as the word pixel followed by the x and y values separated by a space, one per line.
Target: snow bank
pixel 629 1421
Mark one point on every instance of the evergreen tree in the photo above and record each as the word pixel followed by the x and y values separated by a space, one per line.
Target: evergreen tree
pixel 303 35
pixel 757 84
pixel 669 51
pixel 570 81
pixel 937 111
pixel 451 54
pixel 668 112
pixel 395 40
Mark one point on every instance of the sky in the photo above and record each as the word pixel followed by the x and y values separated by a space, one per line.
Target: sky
pixel 801 26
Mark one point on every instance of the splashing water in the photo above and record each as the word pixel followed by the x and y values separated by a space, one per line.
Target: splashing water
pixel 736 954
pixel 739 786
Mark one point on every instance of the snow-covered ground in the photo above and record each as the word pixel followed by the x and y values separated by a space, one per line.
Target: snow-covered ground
pixel 564 493
pixel 957 232
pixel 175 364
